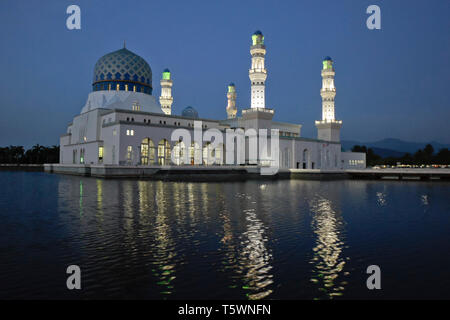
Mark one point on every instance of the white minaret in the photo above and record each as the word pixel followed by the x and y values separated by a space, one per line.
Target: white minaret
pixel 231 107
pixel 328 128
pixel 258 73
pixel 166 98
pixel 328 91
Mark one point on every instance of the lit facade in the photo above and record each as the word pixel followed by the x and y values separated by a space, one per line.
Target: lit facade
pixel 123 124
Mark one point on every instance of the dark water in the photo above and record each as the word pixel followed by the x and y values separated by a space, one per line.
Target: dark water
pixel 244 240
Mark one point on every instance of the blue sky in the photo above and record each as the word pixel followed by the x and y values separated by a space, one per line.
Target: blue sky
pixel 391 82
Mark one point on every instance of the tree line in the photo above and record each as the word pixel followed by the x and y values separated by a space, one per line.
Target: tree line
pixel 36 155
pixel 426 156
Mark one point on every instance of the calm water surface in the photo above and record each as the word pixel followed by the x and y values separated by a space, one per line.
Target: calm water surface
pixel 246 240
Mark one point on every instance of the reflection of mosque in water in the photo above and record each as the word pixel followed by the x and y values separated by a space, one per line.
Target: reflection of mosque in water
pixel 132 228
pixel 328 259
pixel 123 229
pixel 219 235
pixel 245 241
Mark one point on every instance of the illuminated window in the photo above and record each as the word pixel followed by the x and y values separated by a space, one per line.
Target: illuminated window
pixel 134 88
pixel 117 87
pixel 147 151
pixel 82 156
pixel 126 87
pixel 100 154
pixel 164 152
pixel 109 86
pixel 129 153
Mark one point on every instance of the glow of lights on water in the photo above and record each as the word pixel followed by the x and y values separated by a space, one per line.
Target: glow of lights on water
pixel 425 200
pixel 327 253
pixel 255 258
pixel 165 252
pixel 381 199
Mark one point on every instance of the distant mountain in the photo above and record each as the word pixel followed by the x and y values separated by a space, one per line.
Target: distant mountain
pixel 387 152
pixel 393 147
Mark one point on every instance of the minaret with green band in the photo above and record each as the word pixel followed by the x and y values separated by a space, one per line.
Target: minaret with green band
pixel 328 128
pixel 166 98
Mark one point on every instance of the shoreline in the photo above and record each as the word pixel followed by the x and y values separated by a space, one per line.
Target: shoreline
pixel 229 173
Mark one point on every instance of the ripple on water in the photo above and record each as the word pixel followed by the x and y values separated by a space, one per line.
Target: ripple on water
pixel 246 240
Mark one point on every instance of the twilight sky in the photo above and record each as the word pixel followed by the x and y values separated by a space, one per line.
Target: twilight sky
pixel 392 82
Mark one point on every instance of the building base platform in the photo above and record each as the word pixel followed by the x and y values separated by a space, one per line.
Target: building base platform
pixel 193 173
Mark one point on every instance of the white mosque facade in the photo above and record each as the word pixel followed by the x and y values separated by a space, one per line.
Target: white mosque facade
pixel 123 124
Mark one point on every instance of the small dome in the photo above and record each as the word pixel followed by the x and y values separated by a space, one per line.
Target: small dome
pixel 166 70
pixel 189 112
pixel 327 58
pixel 258 33
pixel 231 84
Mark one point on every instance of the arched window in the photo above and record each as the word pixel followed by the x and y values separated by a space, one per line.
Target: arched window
pixel 82 156
pixel 151 152
pixel 147 152
pixel 129 154
pixel 218 154
pixel 195 153
pixel 207 154
pixel 144 151
pixel 179 151
pixel 163 152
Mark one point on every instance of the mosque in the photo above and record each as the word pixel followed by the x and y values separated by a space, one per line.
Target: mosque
pixel 123 124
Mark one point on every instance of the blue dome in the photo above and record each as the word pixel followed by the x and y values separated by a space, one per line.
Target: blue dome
pixel 166 70
pixel 122 67
pixel 231 84
pixel 327 58
pixel 257 32
pixel 189 112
